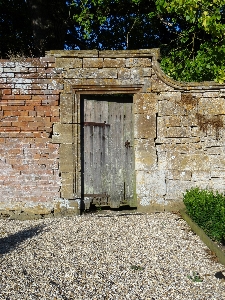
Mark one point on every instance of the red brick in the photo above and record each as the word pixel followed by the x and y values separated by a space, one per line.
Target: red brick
pixel 16 151
pixel 43 107
pixel 16 102
pixel 6 91
pixel 48 59
pixel 20 124
pixel 39 97
pixel 55 111
pixel 28 106
pixel 32 126
pixel 53 97
pixel 51 65
pixel 32 113
pixel 23 113
pixel 6 97
pixel 36 92
pixel 50 102
pixel 25 97
pixel 9 129
pixel 8 113
pixel 55 119
pixel 34 102
pixel 5 123
pixel 40 113
pixel 40 86
pixel 16 91
pixel 27 119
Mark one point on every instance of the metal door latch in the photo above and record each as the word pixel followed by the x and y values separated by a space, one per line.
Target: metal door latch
pixel 127 144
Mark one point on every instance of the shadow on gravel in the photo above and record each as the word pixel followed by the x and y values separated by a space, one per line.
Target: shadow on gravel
pixel 9 243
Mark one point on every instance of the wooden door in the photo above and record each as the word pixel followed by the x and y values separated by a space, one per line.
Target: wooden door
pixel 107 147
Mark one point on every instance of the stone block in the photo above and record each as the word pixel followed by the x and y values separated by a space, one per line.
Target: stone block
pixel 176 188
pixel 209 106
pixel 93 62
pixel 68 62
pixel 217 184
pixel 169 121
pixel 151 184
pixel 174 96
pixel 212 94
pixel 192 162
pixel 138 62
pixel 179 175
pixel 180 132
pixel 218 173
pixel 217 162
pixel 147 205
pixel 145 103
pixel 124 73
pixel 201 175
pixel 173 205
pixel 67 158
pixel 67 189
pixel 171 108
pixel 145 154
pixel 114 62
pixel 88 73
pixel 65 133
pixel 73 53
pixel 66 108
pixel 160 86
pixel 144 126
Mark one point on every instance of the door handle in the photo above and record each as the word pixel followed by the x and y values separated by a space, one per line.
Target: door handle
pixel 127 144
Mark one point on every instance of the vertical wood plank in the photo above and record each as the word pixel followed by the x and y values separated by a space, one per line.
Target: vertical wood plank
pixel 76 146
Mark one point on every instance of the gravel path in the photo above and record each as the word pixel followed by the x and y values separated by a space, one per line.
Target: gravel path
pixel 115 256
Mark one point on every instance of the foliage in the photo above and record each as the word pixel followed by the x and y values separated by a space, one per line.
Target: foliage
pixel 136 268
pixel 114 24
pixel 29 27
pixel 198 52
pixel 207 209
pixel 15 29
pixel 195 277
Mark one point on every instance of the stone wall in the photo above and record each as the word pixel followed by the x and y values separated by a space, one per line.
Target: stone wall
pixel 178 129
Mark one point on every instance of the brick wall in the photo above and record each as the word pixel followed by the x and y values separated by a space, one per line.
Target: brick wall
pixel 29 105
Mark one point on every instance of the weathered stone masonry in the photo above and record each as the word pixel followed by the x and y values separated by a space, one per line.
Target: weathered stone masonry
pixel 178 129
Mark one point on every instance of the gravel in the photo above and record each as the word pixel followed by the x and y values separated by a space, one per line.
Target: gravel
pixel 106 256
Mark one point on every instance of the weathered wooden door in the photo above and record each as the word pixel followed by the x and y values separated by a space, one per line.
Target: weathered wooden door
pixel 107 148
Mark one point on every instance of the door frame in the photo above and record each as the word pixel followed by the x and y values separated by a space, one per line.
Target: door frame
pixel 67 134
pixel 101 90
pixel 104 198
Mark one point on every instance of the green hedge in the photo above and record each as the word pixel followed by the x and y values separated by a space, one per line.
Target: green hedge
pixel 207 209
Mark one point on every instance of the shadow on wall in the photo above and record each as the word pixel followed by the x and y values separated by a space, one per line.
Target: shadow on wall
pixel 9 243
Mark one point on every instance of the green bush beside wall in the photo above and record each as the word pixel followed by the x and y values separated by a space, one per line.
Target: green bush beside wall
pixel 207 209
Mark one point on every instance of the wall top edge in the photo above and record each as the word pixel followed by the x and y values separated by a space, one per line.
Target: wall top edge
pixel 186 86
pixel 154 53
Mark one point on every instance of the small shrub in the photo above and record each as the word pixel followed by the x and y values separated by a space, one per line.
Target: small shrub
pixel 207 209
pixel 195 277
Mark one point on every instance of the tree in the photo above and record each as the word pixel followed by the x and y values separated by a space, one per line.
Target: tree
pixel 48 23
pixel 114 24
pixel 198 52
pixel 30 27
pixel 15 32
pixel 190 33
